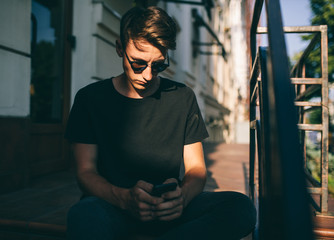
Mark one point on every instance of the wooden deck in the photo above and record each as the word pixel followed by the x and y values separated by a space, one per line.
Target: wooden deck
pixel 39 211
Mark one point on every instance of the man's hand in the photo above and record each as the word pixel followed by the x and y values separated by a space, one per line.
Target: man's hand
pixel 140 203
pixel 172 206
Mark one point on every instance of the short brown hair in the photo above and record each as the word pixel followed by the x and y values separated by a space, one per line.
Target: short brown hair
pixel 151 24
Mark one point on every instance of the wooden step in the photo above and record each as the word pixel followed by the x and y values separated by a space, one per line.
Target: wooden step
pixel 323 227
pixel 322 233
pixel 16 229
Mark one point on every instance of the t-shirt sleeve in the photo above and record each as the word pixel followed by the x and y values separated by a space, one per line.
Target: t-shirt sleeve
pixel 195 127
pixel 80 127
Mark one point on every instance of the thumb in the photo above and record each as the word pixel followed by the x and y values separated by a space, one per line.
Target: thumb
pixel 147 187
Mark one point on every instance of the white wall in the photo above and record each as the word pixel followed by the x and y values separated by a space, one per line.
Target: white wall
pixel 239 71
pixel 235 70
pixel 15 67
pixel 239 47
pixel 82 56
pixel 96 27
pixel 187 69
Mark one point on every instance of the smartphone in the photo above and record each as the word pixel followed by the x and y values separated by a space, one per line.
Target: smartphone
pixel 162 188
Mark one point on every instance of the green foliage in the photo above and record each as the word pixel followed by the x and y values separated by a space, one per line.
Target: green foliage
pixel 323 14
pixel 313 157
pixel 315 117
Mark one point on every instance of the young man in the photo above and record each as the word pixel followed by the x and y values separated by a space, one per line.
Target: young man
pixel 134 131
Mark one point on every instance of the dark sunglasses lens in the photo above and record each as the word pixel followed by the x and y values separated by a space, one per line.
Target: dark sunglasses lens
pixel 138 69
pixel 159 67
pixel 138 66
pixel 156 67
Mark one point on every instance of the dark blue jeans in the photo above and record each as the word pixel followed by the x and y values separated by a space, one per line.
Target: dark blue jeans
pixel 210 215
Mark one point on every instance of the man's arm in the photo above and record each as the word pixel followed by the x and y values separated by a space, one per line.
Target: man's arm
pixel 137 200
pixel 192 184
pixel 195 171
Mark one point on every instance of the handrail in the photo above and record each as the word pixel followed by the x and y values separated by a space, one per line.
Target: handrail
pixel 299 29
pixel 306 53
pixel 274 142
pixel 255 21
pixel 304 92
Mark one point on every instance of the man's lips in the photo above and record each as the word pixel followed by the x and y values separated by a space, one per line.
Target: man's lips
pixel 142 82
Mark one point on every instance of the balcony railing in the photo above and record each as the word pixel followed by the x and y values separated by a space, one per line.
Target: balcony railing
pixel 305 89
pixel 277 177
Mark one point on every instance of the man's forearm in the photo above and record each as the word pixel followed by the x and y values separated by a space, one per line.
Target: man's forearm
pixel 193 183
pixel 93 184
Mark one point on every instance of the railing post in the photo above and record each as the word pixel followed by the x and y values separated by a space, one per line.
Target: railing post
pixel 324 142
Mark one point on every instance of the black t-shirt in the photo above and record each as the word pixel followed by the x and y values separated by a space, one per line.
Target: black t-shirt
pixel 138 139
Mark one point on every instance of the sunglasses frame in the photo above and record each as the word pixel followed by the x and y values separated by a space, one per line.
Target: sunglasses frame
pixel 137 70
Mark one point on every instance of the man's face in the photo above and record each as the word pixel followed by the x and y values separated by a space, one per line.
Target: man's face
pixel 141 53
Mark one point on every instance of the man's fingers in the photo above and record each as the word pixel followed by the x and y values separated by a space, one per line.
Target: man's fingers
pixel 168 211
pixel 142 206
pixel 152 201
pixel 172 194
pixel 177 193
pixel 145 215
pixel 141 202
pixel 170 217
pixel 146 218
pixel 144 185
pixel 142 191
pixel 171 180
pixel 169 204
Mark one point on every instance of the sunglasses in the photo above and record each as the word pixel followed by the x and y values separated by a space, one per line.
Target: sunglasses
pixel 139 66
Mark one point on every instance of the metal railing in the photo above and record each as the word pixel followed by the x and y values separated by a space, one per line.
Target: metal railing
pixel 277 178
pixel 305 89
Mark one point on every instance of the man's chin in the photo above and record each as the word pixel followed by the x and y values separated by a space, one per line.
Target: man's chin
pixel 141 86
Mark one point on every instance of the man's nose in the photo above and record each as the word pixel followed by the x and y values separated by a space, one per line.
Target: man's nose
pixel 147 73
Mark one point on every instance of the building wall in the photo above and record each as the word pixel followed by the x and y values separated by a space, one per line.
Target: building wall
pixel 203 73
pixel 240 72
pixel 14 92
pixel 14 56
pixel 96 28
pixel 21 140
pixel 227 76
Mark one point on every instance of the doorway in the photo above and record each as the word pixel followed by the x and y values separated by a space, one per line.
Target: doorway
pixel 50 85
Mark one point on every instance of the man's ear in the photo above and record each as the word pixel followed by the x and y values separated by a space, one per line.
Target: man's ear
pixel 119 48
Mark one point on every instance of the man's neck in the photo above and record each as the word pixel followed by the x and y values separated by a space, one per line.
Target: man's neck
pixel 125 88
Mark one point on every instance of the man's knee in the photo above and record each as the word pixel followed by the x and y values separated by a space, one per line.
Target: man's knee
pixel 235 211
pixel 245 212
pixel 89 219
pixel 83 212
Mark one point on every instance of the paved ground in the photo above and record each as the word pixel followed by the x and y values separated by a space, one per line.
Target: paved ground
pixel 227 167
